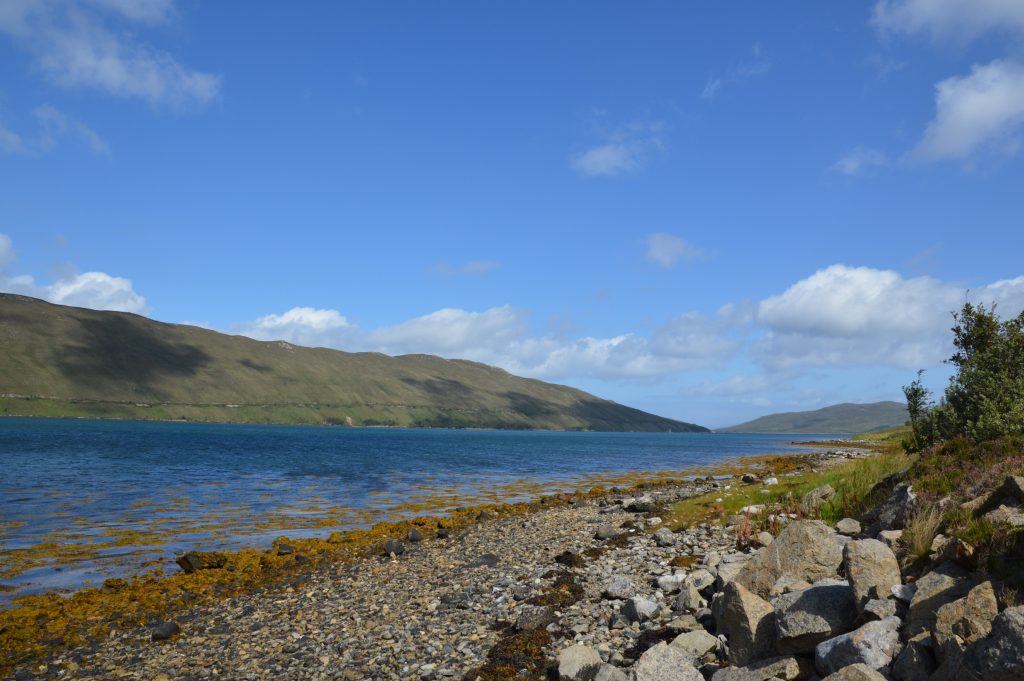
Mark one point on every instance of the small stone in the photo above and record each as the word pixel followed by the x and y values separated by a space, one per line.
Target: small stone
pixel 201 560
pixel 620 587
pixel 394 546
pixel 442 533
pixel 535 617
pixel 414 535
pixel 285 549
pixel 890 537
pixel 876 609
pixel 164 630
pixel 663 662
pixel 606 532
pixel 665 537
pixel 609 672
pixel 486 560
pixel 696 644
pixel 638 609
pixel 848 526
pixel 916 662
pixel 904 592
pixel 578 662
pixel 765 538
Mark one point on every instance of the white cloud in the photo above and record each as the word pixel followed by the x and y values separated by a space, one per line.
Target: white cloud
pixel 451 331
pixel 853 316
pixel 73 45
pixel 95 290
pixel 470 268
pixel 960 19
pixel 859 160
pixel 302 326
pixel 983 110
pixel 51 126
pixel 758 64
pixel 624 150
pixel 668 249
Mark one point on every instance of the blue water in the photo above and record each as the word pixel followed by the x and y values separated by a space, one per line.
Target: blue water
pixel 180 485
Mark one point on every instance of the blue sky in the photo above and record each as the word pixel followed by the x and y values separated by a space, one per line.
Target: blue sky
pixel 710 211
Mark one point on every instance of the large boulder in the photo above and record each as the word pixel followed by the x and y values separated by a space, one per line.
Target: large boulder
pixel 805 550
pixel 665 663
pixel 874 644
pixel 872 569
pixel 969 617
pixel 855 672
pixel 945 584
pixel 1000 656
pixel 578 662
pixel 785 668
pixel 803 619
pixel 749 623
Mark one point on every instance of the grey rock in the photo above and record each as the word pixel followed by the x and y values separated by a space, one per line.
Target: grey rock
pixel 486 560
pixel 620 587
pixel 805 550
pixel 817 497
pixel 916 662
pixel 749 478
pixel 162 630
pixel 872 569
pixel 874 644
pixel 784 668
pixel 803 619
pixel 641 504
pixel 414 535
pixel 638 609
pixel 855 672
pixel 578 662
pixel 394 546
pixel 765 538
pixel 730 567
pixel 904 592
pixel 848 526
pixel 665 537
pixel 701 579
pixel 606 532
pixel 749 623
pixel 945 584
pixel 969 618
pixel 889 537
pixel 696 644
pixel 1000 656
pixel 670 583
pixel 689 599
pixel 877 609
pixel 609 672
pixel 1011 514
pixel 665 663
pixel 535 617
pixel 893 513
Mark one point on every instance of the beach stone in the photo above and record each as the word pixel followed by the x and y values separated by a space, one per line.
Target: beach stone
pixel 803 619
pixel 874 644
pixel 394 546
pixel 1000 656
pixel 969 618
pixel 855 672
pixel 771 481
pixel 689 598
pixel 848 526
pixel 748 478
pixel 535 617
pixel 729 566
pixel 606 532
pixel 916 662
pixel 945 584
pixel 782 668
pixel 804 550
pixel 872 569
pixel 608 672
pixel 578 662
pixel 670 583
pixel 641 504
pixel 701 579
pixel 665 537
pixel 893 512
pixel 817 497
pixel 638 609
pixel 663 662
pixel 1011 514
pixel 696 644
pixel 485 560
pixel 285 549
pixel 164 630
pixel 620 587
pixel 414 535
pixel 749 623
pixel 194 561
pixel 442 533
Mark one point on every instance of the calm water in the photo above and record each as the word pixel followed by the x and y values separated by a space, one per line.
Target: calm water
pixel 83 500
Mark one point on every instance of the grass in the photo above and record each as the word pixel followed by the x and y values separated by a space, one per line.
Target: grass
pixel 921 528
pixel 852 481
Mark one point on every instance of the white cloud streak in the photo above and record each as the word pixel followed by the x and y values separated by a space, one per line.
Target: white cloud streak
pixel 757 65
pixel 624 150
pixel 74 45
pixel 667 250
pixel 470 268
pixel 859 160
pixel 51 127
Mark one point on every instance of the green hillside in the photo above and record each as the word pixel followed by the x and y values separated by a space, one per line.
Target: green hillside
pixel 66 361
pixel 839 418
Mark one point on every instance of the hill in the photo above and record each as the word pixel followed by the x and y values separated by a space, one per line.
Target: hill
pixel 839 418
pixel 67 361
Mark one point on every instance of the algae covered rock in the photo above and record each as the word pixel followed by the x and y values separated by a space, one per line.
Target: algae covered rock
pixel 194 561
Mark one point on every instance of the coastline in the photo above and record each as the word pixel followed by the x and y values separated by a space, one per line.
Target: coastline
pixel 42 627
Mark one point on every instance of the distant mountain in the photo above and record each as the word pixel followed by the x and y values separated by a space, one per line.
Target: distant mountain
pixel 67 361
pixel 839 418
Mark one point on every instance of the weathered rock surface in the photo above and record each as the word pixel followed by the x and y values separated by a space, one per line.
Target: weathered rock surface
pixel 872 569
pixel 805 550
pixel 893 513
pixel 916 662
pixel 803 619
pixel 874 644
pixel 855 672
pixel 620 587
pixel 638 609
pixel 784 668
pixel 969 617
pixel 749 622
pixel 578 662
pixel 665 663
pixel 817 497
pixel 1000 656
pixel 848 526
pixel 945 584
pixel 695 644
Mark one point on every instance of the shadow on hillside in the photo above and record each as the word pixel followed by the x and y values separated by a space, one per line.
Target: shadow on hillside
pixel 113 350
pixel 529 406
pixel 440 388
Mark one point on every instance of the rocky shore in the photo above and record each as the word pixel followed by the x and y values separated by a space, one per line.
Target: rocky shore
pixel 600 589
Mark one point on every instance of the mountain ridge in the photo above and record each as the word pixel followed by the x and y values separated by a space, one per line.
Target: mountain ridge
pixel 68 361
pixel 846 417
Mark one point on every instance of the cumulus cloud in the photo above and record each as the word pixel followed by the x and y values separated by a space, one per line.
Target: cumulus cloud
pixel 667 250
pixel 960 19
pixel 859 160
pixel 623 150
pixel 849 316
pixel 300 325
pixel 983 110
pixel 76 45
pixel 95 290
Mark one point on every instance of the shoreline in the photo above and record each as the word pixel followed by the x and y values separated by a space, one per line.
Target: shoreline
pixel 39 627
